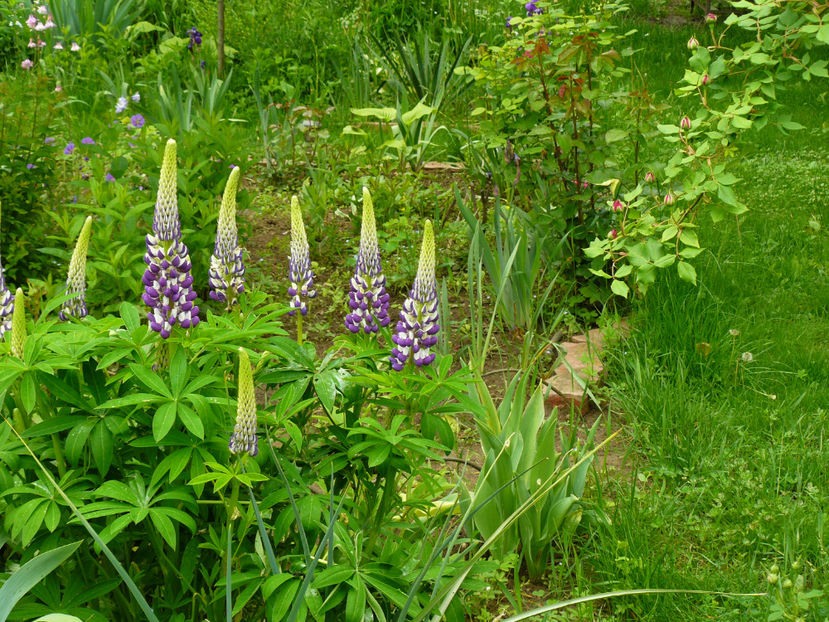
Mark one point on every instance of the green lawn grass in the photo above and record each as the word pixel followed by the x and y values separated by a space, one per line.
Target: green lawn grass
pixel 724 393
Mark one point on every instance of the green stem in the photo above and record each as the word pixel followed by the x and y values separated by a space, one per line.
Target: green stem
pixel 299 328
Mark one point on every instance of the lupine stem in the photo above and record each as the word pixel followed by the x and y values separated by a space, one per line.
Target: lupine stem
pixel 299 328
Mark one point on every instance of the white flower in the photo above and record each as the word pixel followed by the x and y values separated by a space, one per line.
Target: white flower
pixel 75 47
pixel 136 97
pixel 121 106
pixel 58 46
pixel 43 9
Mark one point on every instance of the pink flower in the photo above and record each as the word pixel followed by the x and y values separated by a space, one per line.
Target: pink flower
pixel 41 43
pixel 32 43
pixel 26 64
pixel 618 205
pixel 49 23
pixel 58 88
pixel 40 27
pixel 43 9
pixel 705 79
pixel 75 47
pixel 58 45
pixel 650 177
pixel 685 124
pixel 32 21
pixel 710 18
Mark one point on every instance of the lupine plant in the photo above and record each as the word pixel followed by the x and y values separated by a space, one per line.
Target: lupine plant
pixel 227 267
pixel 6 304
pixel 368 300
pixel 18 324
pixel 300 275
pixel 168 283
pixel 244 437
pixel 76 280
pixel 418 326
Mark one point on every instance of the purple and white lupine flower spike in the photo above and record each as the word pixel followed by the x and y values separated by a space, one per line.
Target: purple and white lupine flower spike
pixel 300 274
pixel 76 280
pixel 6 304
pixel 167 281
pixel 227 270
pixel 244 437
pixel 368 300
pixel 418 326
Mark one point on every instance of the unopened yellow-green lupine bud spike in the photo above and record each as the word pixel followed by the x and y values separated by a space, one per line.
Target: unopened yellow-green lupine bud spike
pixel 244 437
pixel 76 280
pixel 19 324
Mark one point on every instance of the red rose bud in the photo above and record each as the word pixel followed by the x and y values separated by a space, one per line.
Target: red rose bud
pixel 693 43
pixel 710 18
pixel 705 79
pixel 612 234
pixel 670 199
pixel 685 124
pixel 649 177
pixel 618 205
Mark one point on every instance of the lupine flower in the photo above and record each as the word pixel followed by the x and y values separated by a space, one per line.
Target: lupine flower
pixel 693 43
pixel 368 299
pixel 168 284
pixel 244 437
pixel 26 64
pixel 650 177
pixel 86 140
pixel 58 46
pixel 75 47
pixel 299 270
pixel 135 97
pixel 418 326
pixel 76 280
pixel 137 121
pixel 70 147
pixel 121 105
pixel 685 123
pixel 19 324
pixel 6 304
pixel 227 270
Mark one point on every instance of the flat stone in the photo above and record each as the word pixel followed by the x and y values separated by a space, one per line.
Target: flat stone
pixel 581 369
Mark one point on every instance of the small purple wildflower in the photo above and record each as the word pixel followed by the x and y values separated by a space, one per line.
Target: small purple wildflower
pixel 136 97
pixel 70 147
pixel 195 38
pixel 48 140
pixel 30 166
pixel 86 140
pixel 532 8
pixel 137 121
pixel 109 177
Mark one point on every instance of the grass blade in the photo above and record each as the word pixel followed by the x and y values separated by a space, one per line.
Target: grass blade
pixel 30 574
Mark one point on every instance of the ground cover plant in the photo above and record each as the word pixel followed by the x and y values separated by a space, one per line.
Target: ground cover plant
pixel 281 286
